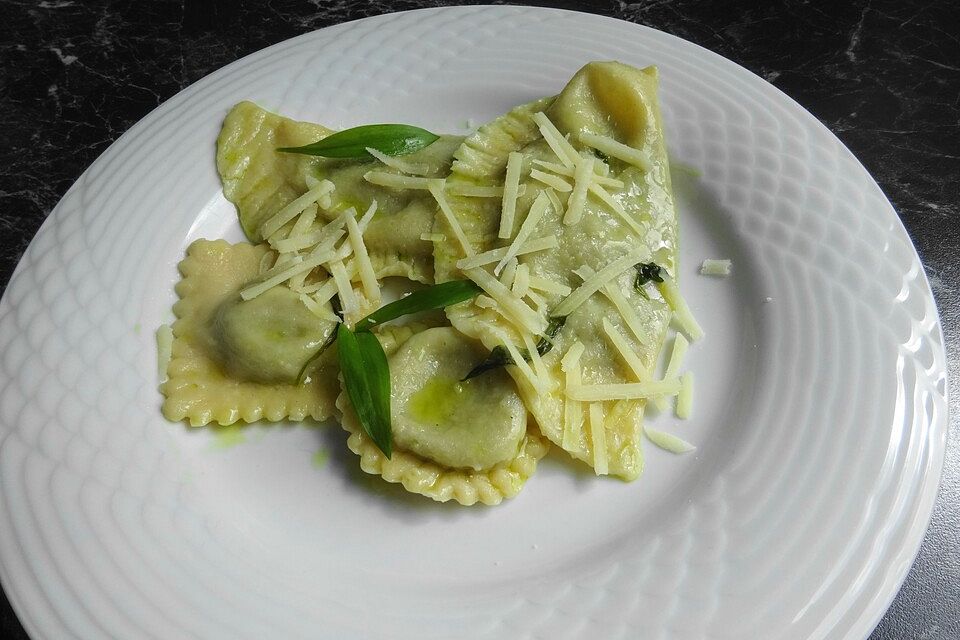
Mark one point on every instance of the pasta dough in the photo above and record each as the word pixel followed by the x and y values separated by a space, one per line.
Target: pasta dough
pixel 507 465
pixel 199 388
pixel 605 99
pixel 260 181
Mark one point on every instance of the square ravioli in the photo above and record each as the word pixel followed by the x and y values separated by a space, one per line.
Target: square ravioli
pixel 199 389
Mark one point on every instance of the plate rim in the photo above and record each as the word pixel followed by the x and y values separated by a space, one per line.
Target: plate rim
pixel 931 481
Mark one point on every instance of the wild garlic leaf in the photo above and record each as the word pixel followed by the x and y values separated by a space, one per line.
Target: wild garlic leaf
pixel 437 296
pixel 367 379
pixel 391 139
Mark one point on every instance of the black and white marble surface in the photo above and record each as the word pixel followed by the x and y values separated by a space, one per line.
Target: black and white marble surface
pixel 883 75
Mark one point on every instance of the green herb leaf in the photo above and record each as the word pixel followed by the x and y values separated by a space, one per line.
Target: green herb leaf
pixel 500 357
pixel 646 272
pixel 367 379
pixel 378 377
pixel 545 343
pixel 304 372
pixel 437 296
pixel 391 139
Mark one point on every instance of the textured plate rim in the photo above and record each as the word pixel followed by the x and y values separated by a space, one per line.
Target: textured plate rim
pixel 910 547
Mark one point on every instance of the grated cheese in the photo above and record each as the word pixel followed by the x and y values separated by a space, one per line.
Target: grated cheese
pixel 558 144
pixel 485 302
pixel 395 181
pixel 415 168
pixel 367 276
pixel 436 189
pixel 334 229
pixel 618 150
pixel 677 353
pixel 299 266
pixel 506 278
pixel 367 216
pixel 293 209
pixel 715 267
pixel 551 180
pixel 685 397
pixel 521 281
pixel 348 298
pixel 671 293
pixel 518 360
pixel 325 291
pixel 568 172
pixel 599 439
pixel 616 207
pixel 572 409
pixel 494 255
pixel 164 350
pixel 619 342
pixel 537 209
pixel 668 442
pixel 624 391
pixel 543 284
pixel 266 262
pixel 592 284
pixel 626 310
pixel 316 308
pixel 304 221
pixel 433 237
pixel 581 182
pixel 478 191
pixel 511 186
pixel 554 201
pixel 538 367
pixel 511 306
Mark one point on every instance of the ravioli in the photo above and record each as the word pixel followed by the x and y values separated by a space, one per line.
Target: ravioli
pixel 260 181
pixel 463 441
pixel 210 379
pixel 605 99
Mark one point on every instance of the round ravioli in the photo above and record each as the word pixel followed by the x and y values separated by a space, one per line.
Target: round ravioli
pixel 463 441
pixel 470 424
pixel 269 338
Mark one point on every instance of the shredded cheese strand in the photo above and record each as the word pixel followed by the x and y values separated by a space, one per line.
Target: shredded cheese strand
pixel 348 298
pixel 593 284
pixel 396 181
pixel 581 182
pixel 511 186
pixel 685 397
pixel 549 286
pixel 293 209
pixel 677 353
pixel 414 168
pixel 629 356
pixel 512 306
pixel 618 150
pixel 568 173
pixel 624 391
pixel 598 438
pixel 616 207
pixel 537 209
pixel 671 293
pixel 667 441
pixel 558 144
pixel 494 255
pixel 367 276
pixel 299 267
pixel 572 409
pixel 551 180
pixel 436 189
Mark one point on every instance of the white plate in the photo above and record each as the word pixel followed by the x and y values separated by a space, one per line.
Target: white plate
pixel 820 415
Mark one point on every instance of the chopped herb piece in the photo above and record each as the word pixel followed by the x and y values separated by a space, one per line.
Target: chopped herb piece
pixel 646 272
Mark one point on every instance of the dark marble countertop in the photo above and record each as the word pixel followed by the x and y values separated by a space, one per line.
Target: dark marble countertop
pixel 883 75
